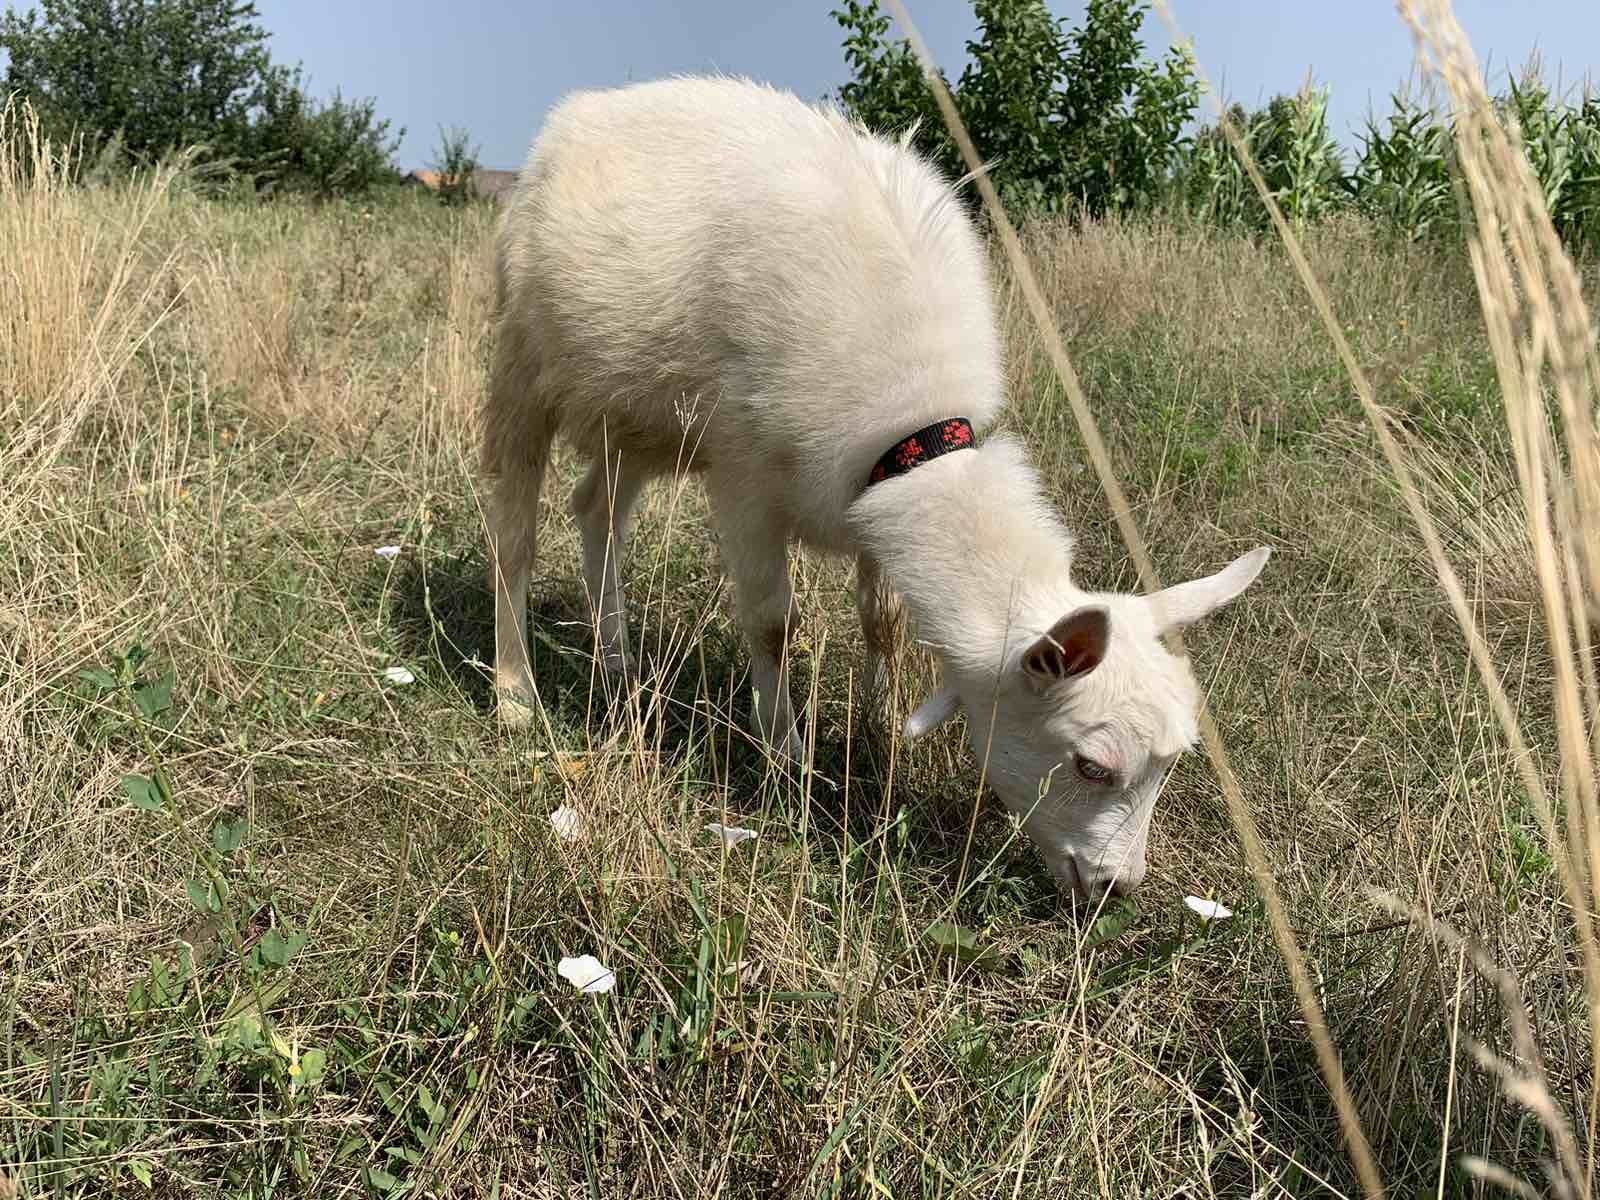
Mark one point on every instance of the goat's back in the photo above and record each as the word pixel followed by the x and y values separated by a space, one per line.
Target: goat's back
pixel 715 254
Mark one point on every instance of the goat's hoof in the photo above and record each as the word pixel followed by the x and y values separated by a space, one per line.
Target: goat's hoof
pixel 514 708
pixel 619 666
pixel 790 751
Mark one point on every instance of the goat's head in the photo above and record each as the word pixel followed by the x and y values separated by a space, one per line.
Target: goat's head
pixel 1085 720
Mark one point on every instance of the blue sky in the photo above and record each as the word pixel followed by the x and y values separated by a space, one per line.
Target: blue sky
pixel 496 66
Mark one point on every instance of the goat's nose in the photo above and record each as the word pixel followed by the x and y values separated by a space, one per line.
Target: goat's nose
pixel 1128 878
pixel 1121 885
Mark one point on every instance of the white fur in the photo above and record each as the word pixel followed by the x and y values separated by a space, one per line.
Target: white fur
pixel 707 274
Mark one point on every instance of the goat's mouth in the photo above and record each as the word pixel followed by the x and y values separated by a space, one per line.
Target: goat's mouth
pixel 1072 877
pixel 1069 877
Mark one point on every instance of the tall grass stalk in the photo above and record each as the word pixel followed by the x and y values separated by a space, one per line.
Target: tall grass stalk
pixel 1540 335
pixel 1542 338
pixel 1238 808
pixel 76 299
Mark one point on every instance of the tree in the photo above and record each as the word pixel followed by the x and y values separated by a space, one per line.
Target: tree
pixel 163 74
pixel 160 75
pixel 299 144
pixel 887 91
pixel 1068 117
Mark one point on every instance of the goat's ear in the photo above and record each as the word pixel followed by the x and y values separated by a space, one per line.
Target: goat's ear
pixel 1074 646
pixel 932 713
pixel 1185 603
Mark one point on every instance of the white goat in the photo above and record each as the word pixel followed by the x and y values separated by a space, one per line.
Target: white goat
pixel 710 265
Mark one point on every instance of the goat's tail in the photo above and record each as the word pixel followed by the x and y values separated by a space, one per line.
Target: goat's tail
pixel 519 419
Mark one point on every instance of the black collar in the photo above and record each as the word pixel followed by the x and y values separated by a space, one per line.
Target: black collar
pixel 953 433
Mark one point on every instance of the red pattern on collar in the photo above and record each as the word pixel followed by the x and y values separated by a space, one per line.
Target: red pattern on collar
pixel 929 442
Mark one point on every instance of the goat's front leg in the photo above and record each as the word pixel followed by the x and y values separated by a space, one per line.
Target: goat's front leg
pixel 755 553
pixel 882 619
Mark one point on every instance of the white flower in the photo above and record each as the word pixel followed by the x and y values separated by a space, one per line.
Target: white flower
pixel 1208 910
pixel 387 551
pixel 398 675
pixel 567 823
pixel 587 973
pixel 731 835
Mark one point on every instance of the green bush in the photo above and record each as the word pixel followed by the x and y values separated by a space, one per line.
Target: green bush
pixel 457 164
pixel 1078 119
pixel 138 79
pixel 337 148
pixel 1068 118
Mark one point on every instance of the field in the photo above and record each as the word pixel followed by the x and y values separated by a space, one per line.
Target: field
pixel 273 924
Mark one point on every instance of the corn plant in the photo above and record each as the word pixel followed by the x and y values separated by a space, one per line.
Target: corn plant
pixel 1579 219
pixel 1402 177
pixel 1298 156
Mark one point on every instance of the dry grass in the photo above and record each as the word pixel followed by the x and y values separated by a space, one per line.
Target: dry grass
pixel 230 407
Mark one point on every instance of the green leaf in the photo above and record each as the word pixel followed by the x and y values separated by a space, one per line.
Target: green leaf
pixel 199 894
pixel 228 836
pixel 141 1171
pixel 523 1008
pixel 145 793
pixel 386 1093
pixel 732 932
pixel 1024 1078
pixel 101 678
pixel 963 944
pixel 275 949
pixel 1112 924
pixel 381 1179
pixel 153 699
pixel 313 1063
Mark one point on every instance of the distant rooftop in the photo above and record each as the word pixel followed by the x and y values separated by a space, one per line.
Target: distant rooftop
pixel 487 181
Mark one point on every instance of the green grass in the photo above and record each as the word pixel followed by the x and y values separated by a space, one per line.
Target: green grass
pixel 320 958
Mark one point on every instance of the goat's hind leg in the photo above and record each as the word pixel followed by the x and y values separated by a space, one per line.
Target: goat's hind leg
pixel 513 538
pixel 604 504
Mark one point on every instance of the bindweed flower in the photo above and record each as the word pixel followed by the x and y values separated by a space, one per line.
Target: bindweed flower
pixel 1208 910
pixel 731 835
pixel 587 973
pixel 398 675
pixel 567 823
pixel 387 552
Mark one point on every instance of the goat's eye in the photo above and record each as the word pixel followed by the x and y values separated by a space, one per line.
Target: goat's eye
pixel 1092 771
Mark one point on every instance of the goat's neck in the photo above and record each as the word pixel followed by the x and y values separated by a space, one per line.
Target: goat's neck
pixel 970 544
